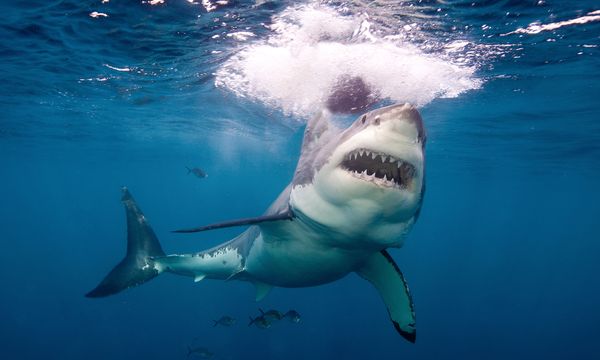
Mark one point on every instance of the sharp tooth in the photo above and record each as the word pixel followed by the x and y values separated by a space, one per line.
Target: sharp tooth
pixel 399 163
pixel 385 177
pixel 373 155
pixel 361 152
pixel 383 158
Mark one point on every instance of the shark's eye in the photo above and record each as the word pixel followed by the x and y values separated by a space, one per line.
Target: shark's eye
pixel 363 119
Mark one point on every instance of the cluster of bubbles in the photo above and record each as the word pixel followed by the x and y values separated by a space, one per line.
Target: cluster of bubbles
pixel 312 46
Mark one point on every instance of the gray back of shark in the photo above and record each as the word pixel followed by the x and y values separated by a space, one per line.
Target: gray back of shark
pixel 354 193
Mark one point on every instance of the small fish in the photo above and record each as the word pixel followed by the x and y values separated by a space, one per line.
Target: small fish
pixel 197 171
pixel 260 322
pixel 224 321
pixel 201 352
pixel 271 314
pixel 292 316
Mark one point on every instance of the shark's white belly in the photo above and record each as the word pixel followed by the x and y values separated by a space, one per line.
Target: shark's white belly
pixel 293 254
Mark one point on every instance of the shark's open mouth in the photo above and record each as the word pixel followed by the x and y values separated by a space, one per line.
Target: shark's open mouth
pixel 379 168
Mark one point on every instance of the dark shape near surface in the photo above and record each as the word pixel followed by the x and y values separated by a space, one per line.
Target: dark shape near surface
pixel 197 171
pixel 137 266
pixel 349 95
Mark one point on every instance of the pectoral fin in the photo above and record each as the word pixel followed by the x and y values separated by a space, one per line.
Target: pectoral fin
pixel 381 271
pixel 287 215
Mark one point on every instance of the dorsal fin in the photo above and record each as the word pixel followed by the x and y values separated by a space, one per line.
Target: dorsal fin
pixel 287 215
pixel 319 129
pixel 315 129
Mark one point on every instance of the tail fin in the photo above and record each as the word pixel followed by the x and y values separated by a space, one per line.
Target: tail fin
pixel 142 245
pixel 251 321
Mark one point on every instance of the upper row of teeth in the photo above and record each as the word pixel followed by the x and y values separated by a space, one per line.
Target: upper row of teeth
pixel 384 158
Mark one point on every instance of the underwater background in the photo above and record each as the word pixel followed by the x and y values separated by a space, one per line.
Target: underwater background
pixel 95 95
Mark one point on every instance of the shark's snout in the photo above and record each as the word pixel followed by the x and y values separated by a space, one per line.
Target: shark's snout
pixel 401 115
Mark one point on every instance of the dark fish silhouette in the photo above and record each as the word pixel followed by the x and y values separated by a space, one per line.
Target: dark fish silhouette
pixel 292 316
pixel 271 314
pixel 224 321
pixel 197 171
pixel 260 322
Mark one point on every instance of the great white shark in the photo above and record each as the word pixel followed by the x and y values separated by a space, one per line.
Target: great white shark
pixel 355 193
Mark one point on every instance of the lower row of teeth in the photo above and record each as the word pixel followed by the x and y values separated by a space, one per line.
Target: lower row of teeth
pixel 373 177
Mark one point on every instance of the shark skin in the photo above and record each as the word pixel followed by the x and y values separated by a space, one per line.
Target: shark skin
pixel 355 193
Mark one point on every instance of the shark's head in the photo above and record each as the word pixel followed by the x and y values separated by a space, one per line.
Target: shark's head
pixel 367 182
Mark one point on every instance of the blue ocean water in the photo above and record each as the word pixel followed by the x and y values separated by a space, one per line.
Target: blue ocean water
pixel 95 95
